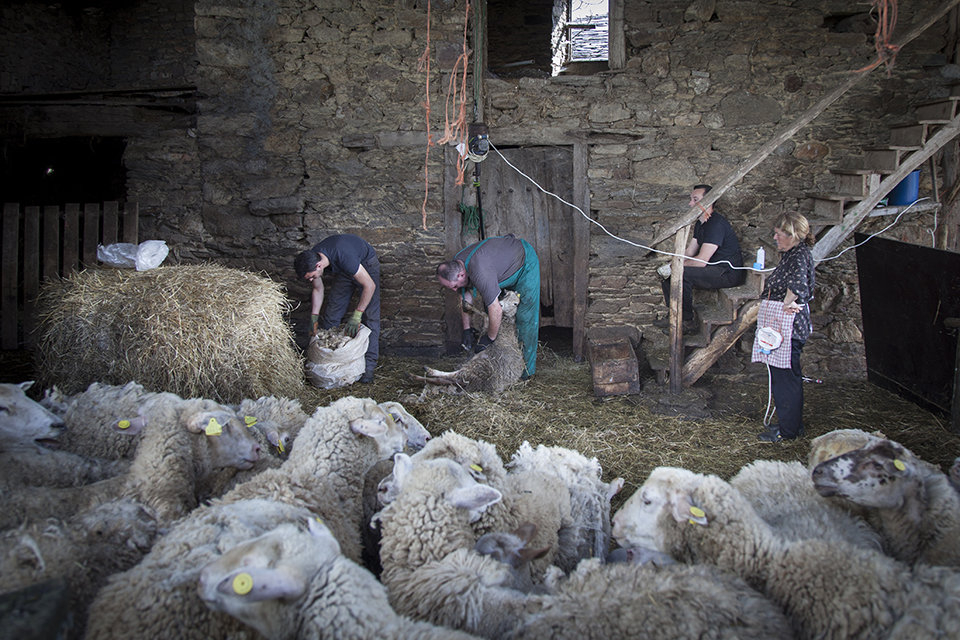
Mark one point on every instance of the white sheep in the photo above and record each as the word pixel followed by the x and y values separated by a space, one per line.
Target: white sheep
pixel 589 536
pixel 105 421
pixel 293 583
pixel 275 421
pixel 25 423
pixel 83 551
pixel 417 434
pixel 321 478
pixel 827 589
pixel 431 575
pixel 911 503
pixel 783 494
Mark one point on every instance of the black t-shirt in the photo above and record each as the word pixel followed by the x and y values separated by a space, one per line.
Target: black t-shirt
pixel 346 253
pixel 717 230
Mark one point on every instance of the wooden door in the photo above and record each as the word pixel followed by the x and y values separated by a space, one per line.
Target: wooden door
pixel 510 203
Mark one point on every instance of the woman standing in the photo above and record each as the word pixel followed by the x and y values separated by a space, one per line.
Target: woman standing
pixel 792 282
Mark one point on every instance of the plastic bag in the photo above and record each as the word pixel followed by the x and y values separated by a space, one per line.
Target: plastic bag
pixel 126 255
pixel 333 368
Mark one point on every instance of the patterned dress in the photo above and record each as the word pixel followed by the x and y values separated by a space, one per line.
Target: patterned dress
pixel 796 273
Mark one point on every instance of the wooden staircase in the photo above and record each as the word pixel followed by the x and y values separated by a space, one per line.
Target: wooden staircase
pixel 726 314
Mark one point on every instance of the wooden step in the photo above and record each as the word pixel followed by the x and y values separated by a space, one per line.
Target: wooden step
pixel 829 207
pixel 908 135
pixel 858 182
pixel 943 109
pixel 886 158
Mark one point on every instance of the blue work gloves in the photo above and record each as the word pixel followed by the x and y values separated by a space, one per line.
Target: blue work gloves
pixel 468 339
pixel 314 324
pixel 484 342
pixel 353 323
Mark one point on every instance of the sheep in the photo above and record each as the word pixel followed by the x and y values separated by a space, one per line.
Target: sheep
pixel 83 551
pixel 293 582
pixel 589 537
pixel 838 442
pixel 512 548
pixel 910 502
pixel 827 589
pixel 321 477
pixel 493 369
pixel 784 496
pixel 106 421
pixel 530 494
pixel 954 475
pixel 24 423
pixel 417 434
pixel 275 421
pixel 432 575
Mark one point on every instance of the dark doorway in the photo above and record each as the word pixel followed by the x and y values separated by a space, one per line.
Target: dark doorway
pixel 62 170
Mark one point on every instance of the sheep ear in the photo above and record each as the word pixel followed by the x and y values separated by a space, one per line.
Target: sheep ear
pixel 368 427
pixel 526 555
pixel 685 511
pixel 474 497
pixel 203 421
pixel 25 385
pixel 401 468
pixel 526 532
pixel 255 584
pixel 614 487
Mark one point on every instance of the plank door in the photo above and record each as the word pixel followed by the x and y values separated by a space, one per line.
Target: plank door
pixel 512 204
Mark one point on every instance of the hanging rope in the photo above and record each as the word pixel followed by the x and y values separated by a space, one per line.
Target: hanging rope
pixel 457 97
pixel 886 22
pixel 424 64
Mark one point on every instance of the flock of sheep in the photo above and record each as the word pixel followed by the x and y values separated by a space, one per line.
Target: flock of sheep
pixel 186 518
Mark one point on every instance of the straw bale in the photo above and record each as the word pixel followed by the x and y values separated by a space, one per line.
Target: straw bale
pixel 194 330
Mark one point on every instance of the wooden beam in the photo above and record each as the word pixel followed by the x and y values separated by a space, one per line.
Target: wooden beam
pixel 676 310
pixel 837 234
pixel 789 131
pixel 581 246
pixel 723 338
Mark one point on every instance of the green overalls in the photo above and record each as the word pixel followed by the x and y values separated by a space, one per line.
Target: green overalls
pixel 526 282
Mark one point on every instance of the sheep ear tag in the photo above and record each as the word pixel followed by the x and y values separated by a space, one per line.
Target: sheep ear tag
pixel 213 428
pixel 123 424
pixel 242 583
pixel 697 516
pixel 899 465
pixel 249 421
pixel 476 467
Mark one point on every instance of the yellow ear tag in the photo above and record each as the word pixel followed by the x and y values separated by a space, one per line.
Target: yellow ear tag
pixel 280 447
pixel 249 420
pixel 213 428
pixel 476 467
pixel 899 465
pixel 319 521
pixel 697 512
pixel 123 424
pixel 242 583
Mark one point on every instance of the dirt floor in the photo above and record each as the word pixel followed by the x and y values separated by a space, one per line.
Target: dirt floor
pixel 709 428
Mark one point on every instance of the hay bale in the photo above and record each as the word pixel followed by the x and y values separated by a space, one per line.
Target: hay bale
pixel 194 330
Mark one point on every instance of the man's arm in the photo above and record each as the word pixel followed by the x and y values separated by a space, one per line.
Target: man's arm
pixel 464 314
pixel 707 249
pixel 494 318
pixel 316 296
pixel 369 287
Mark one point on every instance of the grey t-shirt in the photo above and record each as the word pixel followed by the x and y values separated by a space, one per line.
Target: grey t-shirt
pixel 497 259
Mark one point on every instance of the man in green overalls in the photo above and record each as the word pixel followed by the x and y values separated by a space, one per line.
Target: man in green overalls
pixel 487 267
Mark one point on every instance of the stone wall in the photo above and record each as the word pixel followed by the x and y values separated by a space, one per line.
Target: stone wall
pixel 310 119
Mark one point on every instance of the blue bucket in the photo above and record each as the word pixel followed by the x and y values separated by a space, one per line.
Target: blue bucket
pixel 907 191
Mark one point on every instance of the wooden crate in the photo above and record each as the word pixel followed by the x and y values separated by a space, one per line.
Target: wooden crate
pixel 614 366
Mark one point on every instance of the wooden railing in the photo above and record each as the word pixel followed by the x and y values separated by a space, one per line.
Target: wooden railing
pixel 49 242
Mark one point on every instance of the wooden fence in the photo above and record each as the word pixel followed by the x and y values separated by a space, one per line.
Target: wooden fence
pixel 49 242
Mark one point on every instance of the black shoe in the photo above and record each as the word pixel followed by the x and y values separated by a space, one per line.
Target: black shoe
pixel 367 378
pixel 770 435
pixel 524 376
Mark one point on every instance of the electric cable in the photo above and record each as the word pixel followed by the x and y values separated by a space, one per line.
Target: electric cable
pixel 670 253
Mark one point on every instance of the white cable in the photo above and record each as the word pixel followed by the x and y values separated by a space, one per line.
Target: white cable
pixel 670 253
pixel 768 414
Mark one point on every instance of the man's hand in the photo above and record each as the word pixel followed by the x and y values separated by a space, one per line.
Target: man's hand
pixel 468 339
pixel 353 323
pixel 314 324
pixel 484 342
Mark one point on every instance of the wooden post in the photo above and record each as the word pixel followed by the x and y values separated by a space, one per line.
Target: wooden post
pixel 91 234
pixel 581 247
pixel 71 241
pixel 722 339
pixel 676 310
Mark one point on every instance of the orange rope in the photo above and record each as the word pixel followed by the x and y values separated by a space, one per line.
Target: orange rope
pixel 457 130
pixel 886 50
pixel 424 63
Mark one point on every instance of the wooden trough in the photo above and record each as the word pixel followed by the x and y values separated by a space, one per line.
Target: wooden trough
pixel 613 360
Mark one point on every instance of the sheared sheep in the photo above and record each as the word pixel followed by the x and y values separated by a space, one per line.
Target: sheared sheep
pixel 911 503
pixel 293 583
pixel 783 494
pixel 493 369
pixel 83 551
pixel 827 589
pixel 322 477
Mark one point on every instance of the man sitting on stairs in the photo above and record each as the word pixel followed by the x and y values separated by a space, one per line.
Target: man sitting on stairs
pixel 712 254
